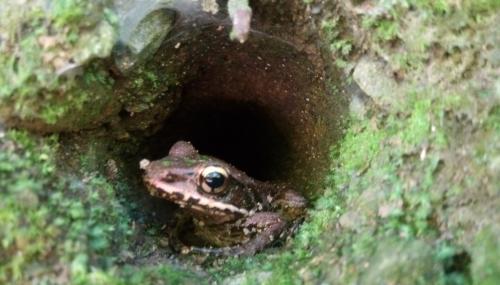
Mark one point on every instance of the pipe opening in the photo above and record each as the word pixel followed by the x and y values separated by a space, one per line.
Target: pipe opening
pixel 262 106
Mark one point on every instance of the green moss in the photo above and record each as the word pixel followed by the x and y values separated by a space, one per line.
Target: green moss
pixel 385 30
pixel 493 120
pixel 418 125
pixel 437 7
pixel 402 262
pixel 130 275
pixel 51 219
pixel 485 264
pixel 68 12
pixel 56 226
pixel 147 87
pixel 406 32
pixel 81 94
pixel 476 8
pixel 338 46
pixel 359 146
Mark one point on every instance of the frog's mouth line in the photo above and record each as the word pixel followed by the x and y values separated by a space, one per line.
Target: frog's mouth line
pixel 194 200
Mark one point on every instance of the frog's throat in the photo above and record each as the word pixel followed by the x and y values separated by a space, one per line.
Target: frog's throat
pixel 197 199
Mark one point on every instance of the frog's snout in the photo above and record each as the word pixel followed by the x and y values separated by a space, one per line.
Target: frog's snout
pixel 144 163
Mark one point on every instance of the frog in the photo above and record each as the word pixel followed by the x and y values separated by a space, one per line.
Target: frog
pixel 229 212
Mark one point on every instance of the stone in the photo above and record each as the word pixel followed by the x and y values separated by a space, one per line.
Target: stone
pixel 376 81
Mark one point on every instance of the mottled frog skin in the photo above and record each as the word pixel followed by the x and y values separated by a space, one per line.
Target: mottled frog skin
pixel 232 213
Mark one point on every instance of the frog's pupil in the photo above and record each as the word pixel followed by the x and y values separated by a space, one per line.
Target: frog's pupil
pixel 214 179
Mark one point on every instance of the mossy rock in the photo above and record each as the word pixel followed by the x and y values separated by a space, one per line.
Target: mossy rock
pixel 52 73
pixel 402 262
pixel 485 268
pixel 61 71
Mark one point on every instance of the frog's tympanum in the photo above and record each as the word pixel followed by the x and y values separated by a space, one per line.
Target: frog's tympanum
pixel 228 211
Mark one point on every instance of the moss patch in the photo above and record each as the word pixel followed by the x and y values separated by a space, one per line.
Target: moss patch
pixel 485 265
pixel 61 227
pixel 49 73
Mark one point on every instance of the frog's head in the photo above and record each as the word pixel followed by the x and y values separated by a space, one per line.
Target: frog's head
pixel 204 186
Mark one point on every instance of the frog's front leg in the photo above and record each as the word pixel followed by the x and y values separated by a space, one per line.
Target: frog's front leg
pixel 265 226
pixel 291 204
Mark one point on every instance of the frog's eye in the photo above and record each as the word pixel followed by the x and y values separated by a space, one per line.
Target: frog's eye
pixel 213 179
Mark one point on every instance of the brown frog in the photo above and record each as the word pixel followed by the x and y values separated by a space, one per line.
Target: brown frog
pixel 231 213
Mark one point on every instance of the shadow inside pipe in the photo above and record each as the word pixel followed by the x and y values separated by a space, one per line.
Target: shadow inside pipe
pixel 241 133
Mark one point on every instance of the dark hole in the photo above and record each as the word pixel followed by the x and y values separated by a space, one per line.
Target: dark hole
pixel 123 114
pixel 241 133
pixel 457 268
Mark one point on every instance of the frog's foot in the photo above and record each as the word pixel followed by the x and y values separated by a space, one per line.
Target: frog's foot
pixel 265 227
